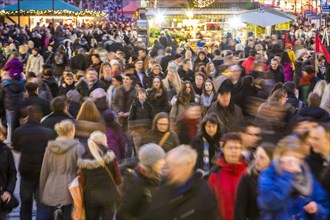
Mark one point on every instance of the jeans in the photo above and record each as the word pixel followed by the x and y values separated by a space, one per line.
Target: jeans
pixel 29 190
pixel 12 123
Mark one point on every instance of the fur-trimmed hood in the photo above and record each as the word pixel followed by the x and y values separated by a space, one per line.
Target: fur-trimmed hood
pixel 90 164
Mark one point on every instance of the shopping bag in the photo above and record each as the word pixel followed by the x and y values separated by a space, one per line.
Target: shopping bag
pixel 76 191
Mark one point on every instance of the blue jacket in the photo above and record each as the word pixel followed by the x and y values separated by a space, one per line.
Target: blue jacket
pixel 277 202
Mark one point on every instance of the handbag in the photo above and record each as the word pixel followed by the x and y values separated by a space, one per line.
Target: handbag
pixel 76 188
pixel 10 205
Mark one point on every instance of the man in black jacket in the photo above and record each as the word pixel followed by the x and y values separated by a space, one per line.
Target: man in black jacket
pixel 31 140
pixel 88 85
pixel 7 173
pixel 78 62
pixel 229 113
pixel 185 192
pixel 34 99
pixel 60 112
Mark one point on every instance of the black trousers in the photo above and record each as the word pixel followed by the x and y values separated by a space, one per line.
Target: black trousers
pixel 29 190
pixel 103 212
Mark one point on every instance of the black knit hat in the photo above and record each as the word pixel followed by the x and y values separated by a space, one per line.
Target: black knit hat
pixel 225 87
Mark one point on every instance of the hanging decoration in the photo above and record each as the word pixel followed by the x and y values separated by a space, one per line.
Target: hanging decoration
pixel 203 3
pixel 56 13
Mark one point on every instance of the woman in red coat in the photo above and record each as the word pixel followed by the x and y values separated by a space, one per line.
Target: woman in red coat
pixel 225 175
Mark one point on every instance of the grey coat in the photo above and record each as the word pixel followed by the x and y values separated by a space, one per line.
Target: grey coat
pixel 59 168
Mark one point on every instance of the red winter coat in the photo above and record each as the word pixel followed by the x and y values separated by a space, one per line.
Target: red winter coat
pixel 224 183
pixel 248 64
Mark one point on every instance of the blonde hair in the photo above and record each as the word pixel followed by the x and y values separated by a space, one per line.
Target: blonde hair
pixel 320 87
pixel 63 128
pixel 95 140
pixel 289 143
pixel 89 112
pixel 184 154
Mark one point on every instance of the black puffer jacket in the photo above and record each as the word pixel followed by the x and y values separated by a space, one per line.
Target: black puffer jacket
pixel 138 192
pixel 31 140
pixel 194 201
pixel 11 94
pixel 99 189
pixel 7 169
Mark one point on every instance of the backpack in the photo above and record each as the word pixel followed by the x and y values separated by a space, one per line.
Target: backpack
pixel 59 58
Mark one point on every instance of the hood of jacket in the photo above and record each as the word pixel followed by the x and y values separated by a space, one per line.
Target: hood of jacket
pixel 90 163
pixel 62 145
pixel 234 169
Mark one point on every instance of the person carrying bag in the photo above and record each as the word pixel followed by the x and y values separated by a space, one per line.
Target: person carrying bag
pixel 100 191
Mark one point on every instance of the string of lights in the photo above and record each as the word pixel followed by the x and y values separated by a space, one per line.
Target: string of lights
pixel 203 3
pixel 56 13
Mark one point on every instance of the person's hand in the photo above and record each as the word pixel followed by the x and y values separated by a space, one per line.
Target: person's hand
pixel 311 207
pixel 6 196
pixel 290 164
pixel 121 114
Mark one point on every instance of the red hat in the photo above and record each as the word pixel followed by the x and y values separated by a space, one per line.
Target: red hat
pixel 288 45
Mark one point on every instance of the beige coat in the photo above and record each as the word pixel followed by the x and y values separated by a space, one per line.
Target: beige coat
pixel 59 168
pixel 34 64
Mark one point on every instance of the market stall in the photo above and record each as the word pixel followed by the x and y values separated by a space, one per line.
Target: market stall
pixel 30 12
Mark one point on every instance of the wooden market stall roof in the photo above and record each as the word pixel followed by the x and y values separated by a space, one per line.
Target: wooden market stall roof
pixel 44 7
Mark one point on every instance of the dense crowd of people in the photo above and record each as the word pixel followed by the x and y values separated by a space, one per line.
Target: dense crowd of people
pixel 224 131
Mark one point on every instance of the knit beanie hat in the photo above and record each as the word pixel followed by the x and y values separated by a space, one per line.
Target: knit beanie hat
pixel 73 95
pixel 225 87
pixel 150 154
pixel 15 68
pixel 108 116
pixel 97 93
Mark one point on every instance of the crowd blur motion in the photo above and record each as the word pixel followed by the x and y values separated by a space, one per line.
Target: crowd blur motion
pixel 233 130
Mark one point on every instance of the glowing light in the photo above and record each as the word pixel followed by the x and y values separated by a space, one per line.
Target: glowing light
pixel 235 22
pixel 159 18
pixel 190 14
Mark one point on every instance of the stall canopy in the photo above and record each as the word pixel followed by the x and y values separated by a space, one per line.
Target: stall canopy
pixel 265 17
pixel 42 5
pixel 129 9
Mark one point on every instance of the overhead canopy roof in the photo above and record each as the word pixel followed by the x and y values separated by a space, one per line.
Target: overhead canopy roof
pixel 266 17
pixel 129 9
pixel 42 5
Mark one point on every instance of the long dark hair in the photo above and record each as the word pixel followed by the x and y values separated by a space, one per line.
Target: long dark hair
pixel 285 58
pixel 183 97
pixel 213 119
